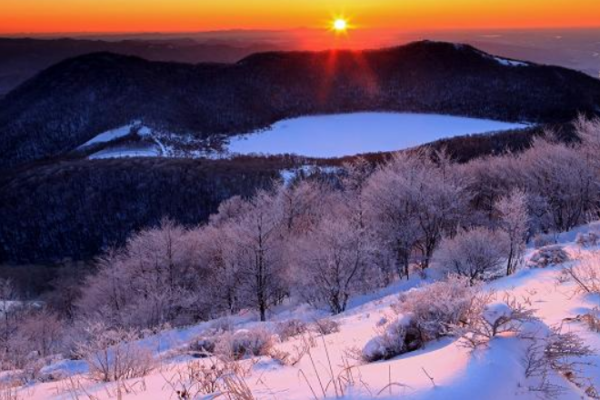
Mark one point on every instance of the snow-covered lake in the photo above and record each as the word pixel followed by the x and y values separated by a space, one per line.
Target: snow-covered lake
pixel 351 134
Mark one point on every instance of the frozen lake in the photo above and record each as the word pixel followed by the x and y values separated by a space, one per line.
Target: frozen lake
pixel 359 133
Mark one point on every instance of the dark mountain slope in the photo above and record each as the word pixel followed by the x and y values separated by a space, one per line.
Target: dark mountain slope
pixel 76 208
pixel 73 101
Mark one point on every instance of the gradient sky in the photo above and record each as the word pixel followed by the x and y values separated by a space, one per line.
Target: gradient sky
pixel 43 16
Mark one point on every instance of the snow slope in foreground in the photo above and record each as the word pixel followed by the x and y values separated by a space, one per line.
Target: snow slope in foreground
pixel 442 370
pixel 351 134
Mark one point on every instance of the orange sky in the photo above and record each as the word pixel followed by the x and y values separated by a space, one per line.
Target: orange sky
pixel 40 16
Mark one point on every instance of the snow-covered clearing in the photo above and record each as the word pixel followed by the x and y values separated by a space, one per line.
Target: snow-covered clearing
pixel 444 369
pixel 126 151
pixel 111 135
pixel 359 133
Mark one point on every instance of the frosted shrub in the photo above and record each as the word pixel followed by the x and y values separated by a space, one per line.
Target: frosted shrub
pixel 397 337
pixel 437 307
pixel 114 354
pixel 29 336
pixel 244 343
pixel 426 314
pixel 477 254
pixel 289 329
pixel 327 326
pixel 589 239
pixel 488 320
pixel 548 255
pixel 560 353
pixel 586 274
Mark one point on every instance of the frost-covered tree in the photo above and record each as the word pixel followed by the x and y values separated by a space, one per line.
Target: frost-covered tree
pixel 564 178
pixel 303 205
pixel 514 222
pixel 333 263
pixel 391 214
pixel 258 244
pixel 354 180
pixel 151 281
pixel 413 202
pixel 477 254
pixel 215 249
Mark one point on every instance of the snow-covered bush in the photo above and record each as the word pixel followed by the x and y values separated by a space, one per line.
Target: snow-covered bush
pixel 397 337
pixel 290 328
pixel 327 326
pixel 437 307
pixel 589 239
pixel 426 314
pixel 478 254
pixel 488 320
pixel 114 354
pixel 548 255
pixel 244 343
pixel 586 274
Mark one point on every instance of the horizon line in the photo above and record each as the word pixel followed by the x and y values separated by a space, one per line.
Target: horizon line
pixel 279 30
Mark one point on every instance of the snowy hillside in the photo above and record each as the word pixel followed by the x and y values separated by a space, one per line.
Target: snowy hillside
pixel 328 366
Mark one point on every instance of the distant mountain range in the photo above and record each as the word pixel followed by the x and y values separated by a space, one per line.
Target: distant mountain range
pixel 71 102
pixel 23 58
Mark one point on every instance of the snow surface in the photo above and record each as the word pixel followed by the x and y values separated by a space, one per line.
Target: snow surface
pixel 511 63
pixel 109 136
pixel 443 370
pixel 350 134
pixel 120 152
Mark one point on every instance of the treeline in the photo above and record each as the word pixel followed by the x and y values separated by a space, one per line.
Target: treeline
pixel 70 103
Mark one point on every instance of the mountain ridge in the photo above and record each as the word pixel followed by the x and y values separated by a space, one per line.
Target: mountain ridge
pixel 74 100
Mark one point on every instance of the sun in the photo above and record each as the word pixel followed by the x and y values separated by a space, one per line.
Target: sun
pixel 340 25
